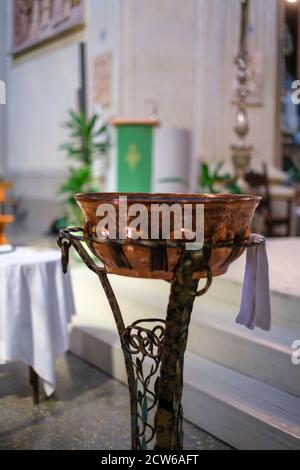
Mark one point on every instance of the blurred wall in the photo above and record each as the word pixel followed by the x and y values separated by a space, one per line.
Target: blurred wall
pixel 179 54
pixel 2 77
pixel 159 59
pixel 42 87
pixel 217 37
pixel 105 35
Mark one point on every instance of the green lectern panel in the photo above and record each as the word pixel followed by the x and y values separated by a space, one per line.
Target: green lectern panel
pixel 134 145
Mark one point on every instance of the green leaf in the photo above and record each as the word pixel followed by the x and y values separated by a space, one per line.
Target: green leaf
pixel 174 180
pixel 82 147
pixel 145 410
pixel 91 123
pixel 143 443
pixel 204 178
pixel 102 130
pixel 216 174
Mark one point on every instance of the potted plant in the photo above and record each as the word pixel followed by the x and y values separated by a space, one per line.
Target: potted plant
pixel 213 181
pixel 89 142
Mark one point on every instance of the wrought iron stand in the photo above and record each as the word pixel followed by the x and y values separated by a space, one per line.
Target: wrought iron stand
pixel 150 345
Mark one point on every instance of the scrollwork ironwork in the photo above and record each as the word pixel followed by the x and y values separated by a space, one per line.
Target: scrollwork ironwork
pixel 144 346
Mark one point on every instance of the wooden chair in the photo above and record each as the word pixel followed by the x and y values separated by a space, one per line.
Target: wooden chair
pixel 259 183
pixel 5 220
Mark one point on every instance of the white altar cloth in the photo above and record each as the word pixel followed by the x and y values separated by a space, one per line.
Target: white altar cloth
pixel 36 306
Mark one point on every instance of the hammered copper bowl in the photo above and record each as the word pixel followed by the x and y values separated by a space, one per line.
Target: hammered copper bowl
pixel 226 218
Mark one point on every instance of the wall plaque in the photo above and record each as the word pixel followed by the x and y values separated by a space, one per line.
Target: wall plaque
pixel 38 21
pixel 103 79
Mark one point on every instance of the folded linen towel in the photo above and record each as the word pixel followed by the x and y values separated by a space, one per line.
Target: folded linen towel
pixel 255 310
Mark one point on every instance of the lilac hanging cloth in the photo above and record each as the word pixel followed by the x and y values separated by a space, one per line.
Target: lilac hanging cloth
pixel 255 310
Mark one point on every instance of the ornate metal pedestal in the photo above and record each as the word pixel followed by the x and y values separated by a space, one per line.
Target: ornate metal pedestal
pixel 154 349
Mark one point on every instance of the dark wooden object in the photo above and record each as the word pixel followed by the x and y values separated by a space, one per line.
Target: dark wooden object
pixel 34 382
pixel 260 182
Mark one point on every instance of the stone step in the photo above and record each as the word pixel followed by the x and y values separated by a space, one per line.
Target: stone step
pixel 285 307
pixel 238 409
pixel 266 356
pixel 213 332
pixel 254 406
pixel 226 292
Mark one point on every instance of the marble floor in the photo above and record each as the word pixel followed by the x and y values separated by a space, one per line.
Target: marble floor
pixel 89 411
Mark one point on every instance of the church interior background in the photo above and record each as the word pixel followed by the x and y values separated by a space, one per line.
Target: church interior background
pixel 152 96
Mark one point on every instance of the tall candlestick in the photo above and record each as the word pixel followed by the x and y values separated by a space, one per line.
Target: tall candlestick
pixel 244 28
pixel 241 153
